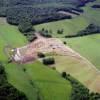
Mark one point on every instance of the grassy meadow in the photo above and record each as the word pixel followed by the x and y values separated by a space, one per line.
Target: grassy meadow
pixel 70 27
pixel 79 69
pixel 87 46
pixel 37 80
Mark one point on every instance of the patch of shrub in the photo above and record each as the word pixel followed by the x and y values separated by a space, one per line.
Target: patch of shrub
pixel 45 33
pixel 48 61
pixel 60 31
pixel 41 55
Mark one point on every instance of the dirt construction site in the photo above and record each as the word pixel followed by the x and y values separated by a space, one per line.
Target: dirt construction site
pixel 43 45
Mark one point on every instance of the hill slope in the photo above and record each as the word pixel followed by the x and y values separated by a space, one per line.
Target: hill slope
pixel 35 80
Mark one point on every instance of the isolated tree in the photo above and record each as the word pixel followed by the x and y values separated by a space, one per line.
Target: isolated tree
pixel 64 74
pixel 60 31
pixel 65 42
pixel 49 61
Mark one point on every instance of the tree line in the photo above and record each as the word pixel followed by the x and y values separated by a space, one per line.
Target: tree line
pixel 7 91
pixel 79 91
pixel 89 30
pixel 18 12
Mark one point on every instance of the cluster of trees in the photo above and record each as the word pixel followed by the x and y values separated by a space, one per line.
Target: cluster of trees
pixel 48 61
pixel 91 29
pixel 7 91
pixel 60 31
pixel 46 33
pixel 31 36
pixel 80 92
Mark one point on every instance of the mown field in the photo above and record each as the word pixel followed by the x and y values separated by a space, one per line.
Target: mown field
pixel 87 46
pixel 70 27
pixel 80 69
pixel 37 80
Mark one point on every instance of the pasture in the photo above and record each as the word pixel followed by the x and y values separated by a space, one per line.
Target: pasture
pixel 33 79
pixel 80 69
pixel 92 14
pixel 88 47
pixel 70 27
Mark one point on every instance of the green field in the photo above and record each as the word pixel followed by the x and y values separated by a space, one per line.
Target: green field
pixel 87 46
pixel 70 27
pixel 41 80
pixel 38 79
pixel 79 69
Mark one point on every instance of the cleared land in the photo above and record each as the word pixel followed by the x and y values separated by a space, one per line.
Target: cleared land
pixel 37 78
pixel 44 45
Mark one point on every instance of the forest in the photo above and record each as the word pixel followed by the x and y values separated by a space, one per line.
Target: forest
pixel 38 11
pixel 7 91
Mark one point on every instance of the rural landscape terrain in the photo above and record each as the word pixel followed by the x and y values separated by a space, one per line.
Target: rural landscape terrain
pixel 49 49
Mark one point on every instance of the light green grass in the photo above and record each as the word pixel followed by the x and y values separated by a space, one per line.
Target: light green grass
pixel 50 83
pixel 47 82
pixel 9 35
pixel 88 46
pixel 70 27
pixel 79 69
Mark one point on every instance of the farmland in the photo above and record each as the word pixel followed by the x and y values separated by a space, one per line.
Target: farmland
pixel 87 46
pixel 75 72
pixel 37 77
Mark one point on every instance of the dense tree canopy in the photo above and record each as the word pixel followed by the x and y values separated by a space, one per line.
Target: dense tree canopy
pixel 7 91
pixel 38 11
